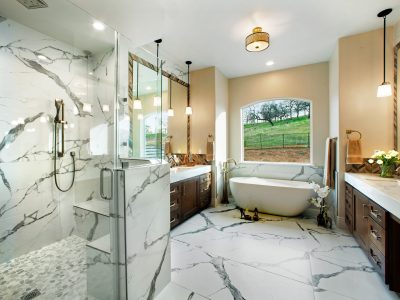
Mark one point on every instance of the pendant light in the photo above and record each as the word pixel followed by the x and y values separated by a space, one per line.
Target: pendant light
pixel 385 89
pixel 257 41
pixel 157 98
pixel 188 109
pixel 137 103
pixel 170 110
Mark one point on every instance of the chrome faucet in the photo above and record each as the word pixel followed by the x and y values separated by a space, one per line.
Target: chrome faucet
pixel 225 171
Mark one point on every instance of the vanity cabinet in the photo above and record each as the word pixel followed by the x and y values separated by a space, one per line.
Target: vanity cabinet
pixel 377 232
pixel 187 197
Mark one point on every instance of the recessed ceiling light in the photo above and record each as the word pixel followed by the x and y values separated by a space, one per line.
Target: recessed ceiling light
pixel 98 26
pixel 270 63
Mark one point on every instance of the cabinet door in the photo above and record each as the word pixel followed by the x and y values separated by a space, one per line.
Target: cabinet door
pixel 361 218
pixel 189 198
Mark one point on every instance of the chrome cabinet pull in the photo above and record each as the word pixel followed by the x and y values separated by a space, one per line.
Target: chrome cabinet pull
pixel 102 194
pixel 364 216
pixel 172 221
pixel 375 258
pixel 374 213
pixel 374 235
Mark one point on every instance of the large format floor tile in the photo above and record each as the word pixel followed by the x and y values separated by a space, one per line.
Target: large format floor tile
pixel 218 256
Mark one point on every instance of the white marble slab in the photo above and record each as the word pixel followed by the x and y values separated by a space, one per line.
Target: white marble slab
pixel 384 191
pixel 217 255
pixel 183 172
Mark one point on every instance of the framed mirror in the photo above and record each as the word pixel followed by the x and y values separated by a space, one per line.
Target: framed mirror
pixel 395 97
pixel 146 123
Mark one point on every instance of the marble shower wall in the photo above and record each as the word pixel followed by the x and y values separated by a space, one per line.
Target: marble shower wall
pixel 146 224
pixel 34 70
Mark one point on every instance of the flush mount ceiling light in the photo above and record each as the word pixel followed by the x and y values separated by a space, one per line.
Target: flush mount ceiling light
pixel 257 41
pixel 158 99
pixel 98 26
pixel 385 89
pixel 270 63
pixel 137 103
pixel 188 109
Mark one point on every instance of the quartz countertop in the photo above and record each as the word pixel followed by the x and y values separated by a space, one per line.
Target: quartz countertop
pixel 383 191
pixel 184 172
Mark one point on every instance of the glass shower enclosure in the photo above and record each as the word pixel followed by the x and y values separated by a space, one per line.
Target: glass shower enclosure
pixel 58 103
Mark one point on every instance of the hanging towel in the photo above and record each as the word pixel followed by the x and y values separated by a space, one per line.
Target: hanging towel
pixel 330 162
pixel 167 148
pixel 210 151
pixel 354 152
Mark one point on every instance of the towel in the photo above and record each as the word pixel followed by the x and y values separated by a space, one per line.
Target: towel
pixel 210 151
pixel 354 152
pixel 167 148
pixel 330 163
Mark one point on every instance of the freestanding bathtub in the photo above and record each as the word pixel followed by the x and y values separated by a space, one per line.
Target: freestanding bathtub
pixel 273 196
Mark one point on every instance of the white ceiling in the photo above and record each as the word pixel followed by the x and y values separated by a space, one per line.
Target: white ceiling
pixel 212 32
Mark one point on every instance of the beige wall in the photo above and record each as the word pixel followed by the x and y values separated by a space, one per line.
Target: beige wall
pixel 202 96
pixel 307 82
pixel 396 33
pixel 360 73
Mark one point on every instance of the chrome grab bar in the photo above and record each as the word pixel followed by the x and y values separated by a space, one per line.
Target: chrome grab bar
pixel 102 194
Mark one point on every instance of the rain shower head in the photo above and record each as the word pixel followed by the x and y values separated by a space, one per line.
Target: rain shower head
pixel 33 4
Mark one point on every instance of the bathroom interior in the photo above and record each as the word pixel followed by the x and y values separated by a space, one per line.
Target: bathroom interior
pixel 184 150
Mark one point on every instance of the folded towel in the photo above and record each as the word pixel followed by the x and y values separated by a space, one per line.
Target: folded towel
pixel 354 152
pixel 210 151
pixel 330 163
pixel 167 148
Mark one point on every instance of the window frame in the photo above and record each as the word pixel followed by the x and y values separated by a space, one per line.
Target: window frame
pixel 311 163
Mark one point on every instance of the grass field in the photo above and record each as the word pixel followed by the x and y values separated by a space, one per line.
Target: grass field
pixel 264 142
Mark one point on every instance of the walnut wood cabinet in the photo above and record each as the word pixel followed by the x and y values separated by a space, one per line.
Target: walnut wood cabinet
pixel 187 197
pixel 378 233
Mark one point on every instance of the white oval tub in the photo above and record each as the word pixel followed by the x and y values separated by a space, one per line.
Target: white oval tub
pixel 273 196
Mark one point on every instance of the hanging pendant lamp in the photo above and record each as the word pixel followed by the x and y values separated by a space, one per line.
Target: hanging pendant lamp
pixel 188 109
pixel 137 103
pixel 385 89
pixel 170 109
pixel 157 99
pixel 257 41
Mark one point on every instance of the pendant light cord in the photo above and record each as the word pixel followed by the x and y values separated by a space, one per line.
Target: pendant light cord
pixel 384 49
pixel 170 93
pixel 188 89
pixel 137 80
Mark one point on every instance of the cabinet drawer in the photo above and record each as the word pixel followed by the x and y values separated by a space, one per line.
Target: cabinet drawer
pixel 174 189
pixel 377 213
pixel 377 235
pixel 174 202
pixel 349 203
pixel 377 259
pixel 174 218
pixel 348 218
pixel 349 191
pixel 205 177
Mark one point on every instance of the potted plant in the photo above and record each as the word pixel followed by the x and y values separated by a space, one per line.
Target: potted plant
pixel 319 201
pixel 387 162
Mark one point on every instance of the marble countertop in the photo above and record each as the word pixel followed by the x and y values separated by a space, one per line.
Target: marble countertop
pixel 383 191
pixel 184 172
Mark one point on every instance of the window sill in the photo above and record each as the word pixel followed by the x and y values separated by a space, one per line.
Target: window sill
pixel 278 163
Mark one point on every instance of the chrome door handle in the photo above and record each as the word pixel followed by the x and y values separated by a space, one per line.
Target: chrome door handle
pixel 102 194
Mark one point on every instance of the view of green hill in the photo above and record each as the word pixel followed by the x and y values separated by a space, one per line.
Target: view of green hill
pixel 289 132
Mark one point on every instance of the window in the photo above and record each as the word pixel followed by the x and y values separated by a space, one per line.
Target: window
pixel 154 136
pixel 277 130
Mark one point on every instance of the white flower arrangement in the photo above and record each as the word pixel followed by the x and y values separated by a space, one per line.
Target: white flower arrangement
pixel 385 158
pixel 322 193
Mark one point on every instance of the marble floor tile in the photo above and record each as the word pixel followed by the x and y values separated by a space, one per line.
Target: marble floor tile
pixel 177 292
pixel 217 255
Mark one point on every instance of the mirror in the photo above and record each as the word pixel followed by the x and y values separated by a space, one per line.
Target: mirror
pixel 145 125
pixel 395 98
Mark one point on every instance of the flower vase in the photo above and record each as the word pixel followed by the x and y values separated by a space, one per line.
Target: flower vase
pixel 387 171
